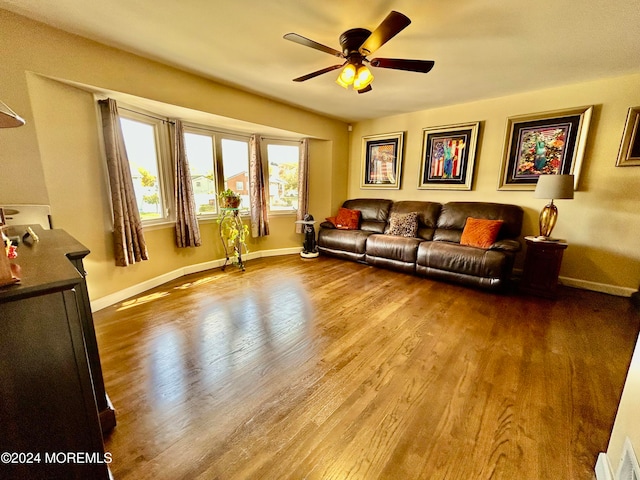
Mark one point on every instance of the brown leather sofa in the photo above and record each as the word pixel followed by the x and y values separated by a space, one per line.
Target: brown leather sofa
pixel 435 251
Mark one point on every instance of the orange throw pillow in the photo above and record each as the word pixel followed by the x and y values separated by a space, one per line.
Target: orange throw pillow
pixel 331 220
pixel 347 219
pixel 479 232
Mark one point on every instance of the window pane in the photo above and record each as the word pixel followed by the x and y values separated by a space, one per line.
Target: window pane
pixel 140 142
pixel 283 177
pixel 235 164
pixel 199 150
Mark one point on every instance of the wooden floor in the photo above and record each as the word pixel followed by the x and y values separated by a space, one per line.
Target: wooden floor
pixel 328 369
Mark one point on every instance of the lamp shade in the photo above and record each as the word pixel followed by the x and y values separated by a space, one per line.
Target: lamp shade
pixel 363 78
pixel 347 76
pixel 554 187
pixel 9 118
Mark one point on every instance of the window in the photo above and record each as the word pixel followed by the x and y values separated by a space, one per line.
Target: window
pixel 235 165
pixel 200 153
pixel 142 138
pixel 202 148
pixel 217 161
pixel 283 159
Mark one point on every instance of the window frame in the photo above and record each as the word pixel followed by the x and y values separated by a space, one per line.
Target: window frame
pixel 218 136
pixel 202 130
pixel 264 147
pixel 163 145
pixel 238 138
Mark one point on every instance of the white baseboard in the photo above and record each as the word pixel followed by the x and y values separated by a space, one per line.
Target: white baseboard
pixel 586 285
pixel 603 468
pixel 597 287
pixel 279 251
pixel 119 296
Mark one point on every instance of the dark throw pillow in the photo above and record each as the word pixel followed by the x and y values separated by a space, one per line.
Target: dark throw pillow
pixel 403 224
pixel 480 232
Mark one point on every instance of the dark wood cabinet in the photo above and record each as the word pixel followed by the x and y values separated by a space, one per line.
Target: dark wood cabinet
pixel 105 409
pixel 542 267
pixel 49 410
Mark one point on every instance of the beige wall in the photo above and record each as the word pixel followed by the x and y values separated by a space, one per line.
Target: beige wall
pixel 626 423
pixel 56 158
pixel 602 223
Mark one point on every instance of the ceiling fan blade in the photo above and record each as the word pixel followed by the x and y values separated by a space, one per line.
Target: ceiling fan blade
pixel 422 66
pixel 294 37
pixel 389 28
pixel 317 73
pixel 366 89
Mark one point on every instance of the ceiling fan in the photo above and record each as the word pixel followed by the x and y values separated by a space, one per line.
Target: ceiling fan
pixel 357 44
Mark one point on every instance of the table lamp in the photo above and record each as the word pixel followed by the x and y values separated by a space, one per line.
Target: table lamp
pixel 553 187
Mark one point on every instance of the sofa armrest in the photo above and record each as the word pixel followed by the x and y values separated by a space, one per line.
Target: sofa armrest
pixel 327 224
pixel 506 245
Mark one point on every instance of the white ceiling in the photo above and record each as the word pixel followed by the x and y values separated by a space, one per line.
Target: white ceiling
pixel 482 48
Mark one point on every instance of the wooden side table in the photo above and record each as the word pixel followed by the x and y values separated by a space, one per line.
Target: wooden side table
pixel 542 267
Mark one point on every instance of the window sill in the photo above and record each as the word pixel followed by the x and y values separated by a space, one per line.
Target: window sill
pixel 290 213
pixel 160 225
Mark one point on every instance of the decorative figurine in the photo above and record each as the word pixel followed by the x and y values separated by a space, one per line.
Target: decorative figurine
pixel 309 247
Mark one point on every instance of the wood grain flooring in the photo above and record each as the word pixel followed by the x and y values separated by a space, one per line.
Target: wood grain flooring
pixel 327 369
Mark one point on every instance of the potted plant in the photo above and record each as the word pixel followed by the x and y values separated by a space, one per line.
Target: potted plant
pixel 229 199
pixel 233 234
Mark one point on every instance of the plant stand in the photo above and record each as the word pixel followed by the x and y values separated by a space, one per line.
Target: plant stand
pixel 230 219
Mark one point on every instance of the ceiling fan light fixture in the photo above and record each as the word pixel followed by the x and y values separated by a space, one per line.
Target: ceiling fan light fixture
pixel 363 78
pixel 347 76
pixel 357 44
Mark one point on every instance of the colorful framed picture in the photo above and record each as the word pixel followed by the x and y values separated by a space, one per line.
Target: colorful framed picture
pixel 448 156
pixel 629 154
pixel 382 160
pixel 549 143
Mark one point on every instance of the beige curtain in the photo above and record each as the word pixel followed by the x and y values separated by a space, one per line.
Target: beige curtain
pixel 259 193
pixel 303 184
pixel 187 228
pixel 128 239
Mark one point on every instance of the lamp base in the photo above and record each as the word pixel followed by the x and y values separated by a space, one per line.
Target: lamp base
pixel 547 220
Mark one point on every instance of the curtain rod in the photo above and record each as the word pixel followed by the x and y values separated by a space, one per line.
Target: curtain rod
pixel 208 128
pixel 147 115
pixel 281 139
pixel 239 134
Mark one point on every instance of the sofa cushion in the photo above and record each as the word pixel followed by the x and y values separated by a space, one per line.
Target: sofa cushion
pixel 428 213
pixel 480 232
pixel 402 249
pixel 451 257
pixel 374 212
pixel 454 215
pixel 347 240
pixel 403 224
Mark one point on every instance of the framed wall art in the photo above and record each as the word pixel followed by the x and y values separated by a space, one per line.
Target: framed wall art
pixel 549 143
pixel 629 154
pixel 382 157
pixel 448 156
